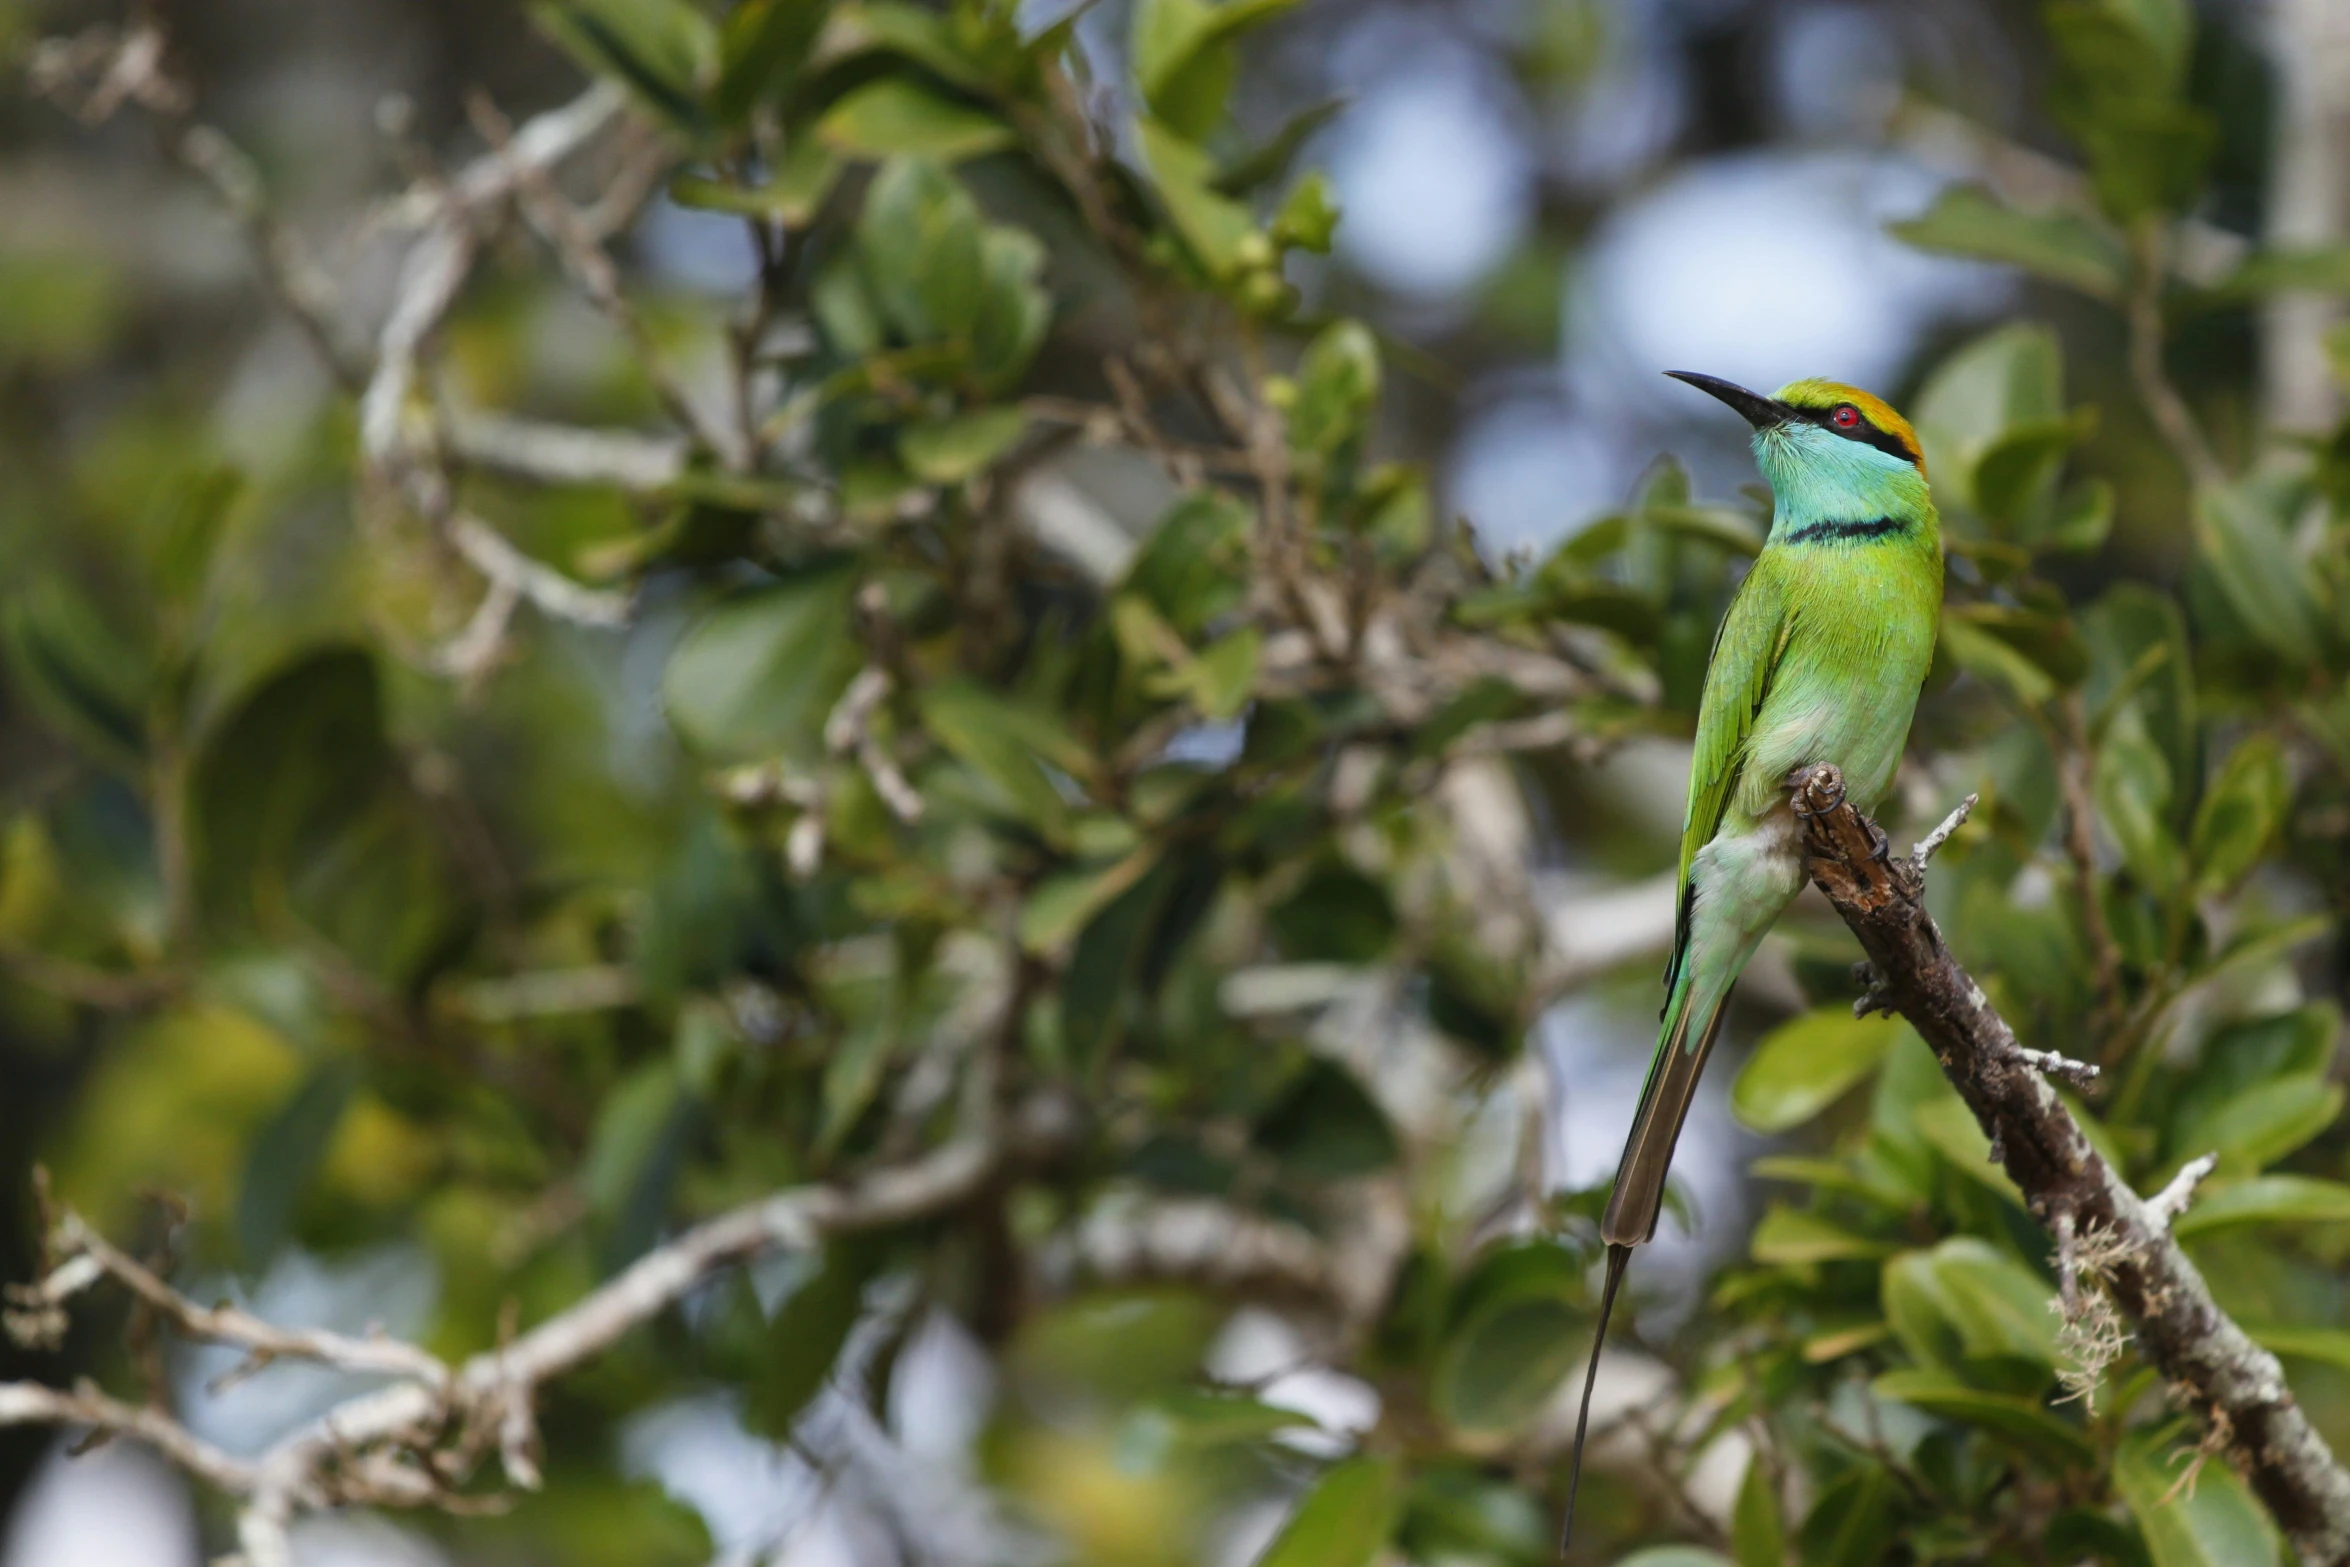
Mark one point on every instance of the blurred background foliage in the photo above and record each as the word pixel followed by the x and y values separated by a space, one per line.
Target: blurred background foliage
pixel 1043 606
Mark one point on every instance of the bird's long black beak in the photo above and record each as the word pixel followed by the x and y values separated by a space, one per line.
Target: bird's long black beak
pixel 1760 411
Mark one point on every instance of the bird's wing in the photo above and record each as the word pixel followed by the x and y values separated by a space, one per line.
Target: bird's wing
pixel 1738 674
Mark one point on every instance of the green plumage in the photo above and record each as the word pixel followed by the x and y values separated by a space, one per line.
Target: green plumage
pixel 1819 659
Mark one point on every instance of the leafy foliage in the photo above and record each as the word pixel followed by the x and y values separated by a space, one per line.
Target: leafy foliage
pixel 1194 830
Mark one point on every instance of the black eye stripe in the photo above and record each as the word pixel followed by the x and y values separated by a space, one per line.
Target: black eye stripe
pixel 1864 432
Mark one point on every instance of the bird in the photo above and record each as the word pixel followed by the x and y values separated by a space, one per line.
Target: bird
pixel 1819 658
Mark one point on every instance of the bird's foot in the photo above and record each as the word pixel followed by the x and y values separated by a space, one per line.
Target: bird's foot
pixel 1875 995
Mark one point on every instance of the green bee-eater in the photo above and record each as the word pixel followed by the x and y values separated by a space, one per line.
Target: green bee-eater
pixel 1818 660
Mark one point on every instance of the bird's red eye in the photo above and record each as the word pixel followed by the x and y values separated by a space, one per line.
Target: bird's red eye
pixel 1846 417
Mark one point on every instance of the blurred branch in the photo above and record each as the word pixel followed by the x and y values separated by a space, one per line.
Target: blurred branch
pixel 416 1441
pixel 85 1258
pixel 1592 933
pixel 2210 1363
pixel 85 1408
pixel 564 454
pixel 2160 394
pixel 94 73
pixel 2308 205
pixel 578 245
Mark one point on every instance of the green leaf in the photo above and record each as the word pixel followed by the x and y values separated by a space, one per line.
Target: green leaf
pixel 659 49
pixel 1455 1514
pixel 186 530
pixel 1224 676
pixel 1102 967
pixel 2266 1199
pixel 756 676
pixel 1216 229
pixel 1853 1522
pixel 2241 814
pixel 1806 1064
pixel 2009 377
pixel 1266 162
pixel 792 198
pixel 1676 1556
pixel 1183 60
pixel 1965 1302
pixel 1337 384
pixel 804 1338
pixel 1190 567
pixel 1308 215
pixel 1757 1531
pixel 1064 901
pixel 2128 626
pixel 949 451
pixel 761 46
pixel 897 116
pixel 285 1158
pixel 2321 270
pixel 2081 518
pixel 633 1158
pixel 2252 561
pixel 1518 1330
pixel 1951 1130
pixel 2210 1522
pixel 2326 1346
pixel 1338 914
pixel 1184 1422
pixel 2083 1535
pixel 924 250
pixel 72 669
pixel 2262 1124
pixel 1723 526
pixel 1015 310
pixel 2015 478
pixel 1325 1127
pixel 1791 1235
pixel 2017 1418
pixel 295 764
pixel 2132 785
pixel 1994 661
pixel 1344 1521
pixel 1967 220
pixel 993 736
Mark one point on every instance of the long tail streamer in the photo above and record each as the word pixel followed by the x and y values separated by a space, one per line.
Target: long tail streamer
pixel 1617 1257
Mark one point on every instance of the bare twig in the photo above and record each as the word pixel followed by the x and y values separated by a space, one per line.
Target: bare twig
pixel 2209 1362
pixel 1925 848
pixel 415 1440
pixel 580 249
pixel 95 73
pixel 2166 1205
pixel 30 1404
pixel 259 1339
pixel 548 591
pixel 565 454
pixel 2079 1073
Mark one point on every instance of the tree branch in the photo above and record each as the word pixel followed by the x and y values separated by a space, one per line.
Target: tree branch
pixel 2210 1363
pixel 416 1440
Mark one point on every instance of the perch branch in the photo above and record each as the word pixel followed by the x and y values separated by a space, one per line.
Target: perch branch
pixel 2211 1364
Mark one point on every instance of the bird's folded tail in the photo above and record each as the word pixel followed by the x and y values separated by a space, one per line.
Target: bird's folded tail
pixel 1639 1195
pixel 1633 1206
pixel 1617 1256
